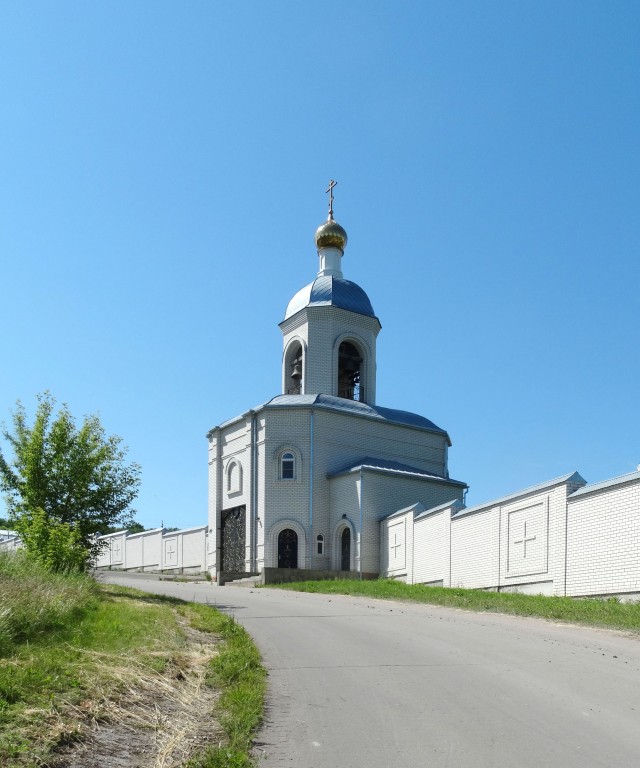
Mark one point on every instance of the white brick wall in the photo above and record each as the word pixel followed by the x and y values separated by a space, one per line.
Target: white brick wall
pixel 603 540
pixel 518 543
pixel 156 550
pixel 432 546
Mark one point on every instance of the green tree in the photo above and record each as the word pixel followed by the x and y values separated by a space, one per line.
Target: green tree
pixel 57 546
pixel 62 475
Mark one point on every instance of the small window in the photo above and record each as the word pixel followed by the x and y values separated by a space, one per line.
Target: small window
pixel 287 466
pixel 234 477
pixel 320 544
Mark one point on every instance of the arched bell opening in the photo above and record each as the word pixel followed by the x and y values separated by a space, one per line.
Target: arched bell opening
pixel 350 372
pixel 293 370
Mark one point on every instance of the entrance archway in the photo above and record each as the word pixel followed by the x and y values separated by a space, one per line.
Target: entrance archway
pixel 287 549
pixel 345 550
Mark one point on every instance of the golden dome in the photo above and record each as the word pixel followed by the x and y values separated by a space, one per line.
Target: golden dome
pixel 331 235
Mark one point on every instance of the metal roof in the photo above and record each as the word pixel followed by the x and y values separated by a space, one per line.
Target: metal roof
pixel 628 478
pixel 331 291
pixel 394 468
pixel 343 405
pixel 417 507
pixel 454 504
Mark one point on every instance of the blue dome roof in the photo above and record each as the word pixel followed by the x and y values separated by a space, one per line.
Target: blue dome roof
pixel 331 291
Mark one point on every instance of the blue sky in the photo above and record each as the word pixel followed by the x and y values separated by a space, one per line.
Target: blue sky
pixel 162 172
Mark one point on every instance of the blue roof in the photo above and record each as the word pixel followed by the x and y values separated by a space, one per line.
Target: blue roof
pixel 394 468
pixel 342 405
pixel 331 291
pixel 354 407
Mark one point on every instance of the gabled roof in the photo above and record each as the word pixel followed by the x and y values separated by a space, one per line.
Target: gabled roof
pixel 393 468
pixel 572 477
pixel 417 507
pixel 593 487
pixel 420 511
pixel 454 504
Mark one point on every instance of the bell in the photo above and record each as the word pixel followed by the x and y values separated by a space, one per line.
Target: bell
pixel 297 370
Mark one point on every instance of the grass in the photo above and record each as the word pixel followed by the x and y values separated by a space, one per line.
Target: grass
pixel 608 613
pixel 237 671
pixel 73 653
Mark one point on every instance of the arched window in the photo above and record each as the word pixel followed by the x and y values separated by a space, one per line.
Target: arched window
pixel 234 477
pixel 320 544
pixel 350 383
pixel 287 466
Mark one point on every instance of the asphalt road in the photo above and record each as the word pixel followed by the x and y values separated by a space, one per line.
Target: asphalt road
pixel 360 683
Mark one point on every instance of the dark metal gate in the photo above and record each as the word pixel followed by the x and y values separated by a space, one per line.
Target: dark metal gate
pixel 287 549
pixel 233 539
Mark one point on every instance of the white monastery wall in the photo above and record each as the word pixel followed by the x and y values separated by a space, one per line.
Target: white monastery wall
pixel 133 556
pixel 432 540
pixel 603 538
pixel 525 542
pixel 397 546
pixel 474 549
pixel 156 550
pixel 10 541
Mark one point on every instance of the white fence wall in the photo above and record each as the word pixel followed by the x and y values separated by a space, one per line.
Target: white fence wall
pixel 562 537
pixel 603 538
pixel 183 551
pixel 9 541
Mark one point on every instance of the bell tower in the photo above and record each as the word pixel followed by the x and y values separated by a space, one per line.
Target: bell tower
pixel 330 329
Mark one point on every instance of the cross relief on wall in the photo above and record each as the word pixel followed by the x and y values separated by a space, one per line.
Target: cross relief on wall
pixel 116 551
pixel 527 537
pixel 396 535
pixel 524 540
pixel 171 552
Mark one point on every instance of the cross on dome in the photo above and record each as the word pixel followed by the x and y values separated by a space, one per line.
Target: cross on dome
pixel 329 189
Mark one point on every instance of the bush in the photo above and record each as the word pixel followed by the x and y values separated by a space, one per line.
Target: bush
pixel 56 546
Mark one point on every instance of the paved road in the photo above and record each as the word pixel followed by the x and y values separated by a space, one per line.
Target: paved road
pixel 359 683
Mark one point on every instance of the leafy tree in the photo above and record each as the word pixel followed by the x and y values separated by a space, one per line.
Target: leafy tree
pixel 135 527
pixel 57 546
pixel 62 475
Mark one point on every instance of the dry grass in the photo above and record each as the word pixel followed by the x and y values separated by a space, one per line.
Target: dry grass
pixel 150 718
pixel 106 676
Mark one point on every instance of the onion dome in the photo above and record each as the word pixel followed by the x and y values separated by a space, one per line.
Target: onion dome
pixel 331 235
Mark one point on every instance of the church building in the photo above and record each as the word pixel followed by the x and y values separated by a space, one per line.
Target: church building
pixel 304 480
